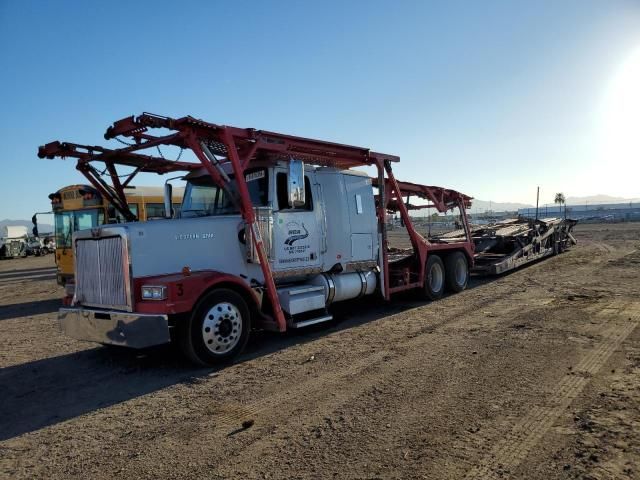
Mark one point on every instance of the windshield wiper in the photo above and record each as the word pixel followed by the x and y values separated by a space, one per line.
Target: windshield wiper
pixel 66 241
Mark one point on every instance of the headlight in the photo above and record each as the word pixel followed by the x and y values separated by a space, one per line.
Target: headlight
pixel 154 293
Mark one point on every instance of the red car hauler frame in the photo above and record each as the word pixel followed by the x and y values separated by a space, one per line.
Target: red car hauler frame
pixel 216 146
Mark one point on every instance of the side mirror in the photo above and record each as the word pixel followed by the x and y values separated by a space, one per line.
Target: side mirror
pixel 168 196
pixel 34 230
pixel 295 187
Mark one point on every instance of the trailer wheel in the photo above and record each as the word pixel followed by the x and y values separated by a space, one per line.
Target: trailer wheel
pixel 218 329
pixel 434 278
pixel 457 271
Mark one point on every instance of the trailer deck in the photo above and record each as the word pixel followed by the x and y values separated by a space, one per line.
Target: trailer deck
pixel 510 244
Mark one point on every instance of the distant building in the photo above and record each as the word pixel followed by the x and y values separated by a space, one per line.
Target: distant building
pixel 614 212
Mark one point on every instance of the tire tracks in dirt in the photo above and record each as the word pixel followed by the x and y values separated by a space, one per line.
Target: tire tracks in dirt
pixel 365 367
pixel 320 396
pixel 331 391
pixel 315 401
pixel 509 452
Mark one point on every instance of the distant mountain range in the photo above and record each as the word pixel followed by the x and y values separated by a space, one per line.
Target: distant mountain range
pixel 595 199
pixel 42 227
pixel 478 206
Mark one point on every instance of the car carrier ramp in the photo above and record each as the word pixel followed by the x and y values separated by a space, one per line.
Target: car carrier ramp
pixel 509 244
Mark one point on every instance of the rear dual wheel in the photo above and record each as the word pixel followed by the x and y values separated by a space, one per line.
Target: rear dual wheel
pixel 457 271
pixel 434 281
pixel 453 274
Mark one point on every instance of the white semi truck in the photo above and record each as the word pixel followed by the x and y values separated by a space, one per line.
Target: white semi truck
pixel 272 231
pixel 13 241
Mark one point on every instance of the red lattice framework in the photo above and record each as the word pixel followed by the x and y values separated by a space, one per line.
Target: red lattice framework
pixel 217 145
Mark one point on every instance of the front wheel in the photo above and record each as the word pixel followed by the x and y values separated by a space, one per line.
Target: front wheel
pixel 218 329
pixel 434 278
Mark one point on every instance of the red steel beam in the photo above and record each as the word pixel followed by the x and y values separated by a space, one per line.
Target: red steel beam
pixel 319 151
pixel 250 220
pixel 91 153
pixel 417 241
pixel 442 199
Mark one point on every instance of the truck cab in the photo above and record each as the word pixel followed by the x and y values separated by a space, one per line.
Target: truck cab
pixel 332 227
pixel 322 246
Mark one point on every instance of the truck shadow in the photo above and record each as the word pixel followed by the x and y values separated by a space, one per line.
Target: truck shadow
pixel 27 309
pixel 27 272
pixel 28 275
pixel 45 392
pixel 30 278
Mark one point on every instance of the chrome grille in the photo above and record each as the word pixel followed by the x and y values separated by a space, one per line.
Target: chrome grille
pixel 101 272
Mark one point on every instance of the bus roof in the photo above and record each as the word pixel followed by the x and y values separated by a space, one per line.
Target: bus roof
pixel 130 191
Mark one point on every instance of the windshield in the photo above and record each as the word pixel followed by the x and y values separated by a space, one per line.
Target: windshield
pixel 203 198
pixel 73 220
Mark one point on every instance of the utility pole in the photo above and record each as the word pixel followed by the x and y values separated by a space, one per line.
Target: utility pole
pixel 537 200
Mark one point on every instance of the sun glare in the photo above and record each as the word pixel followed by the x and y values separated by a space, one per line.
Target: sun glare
pixel 620 148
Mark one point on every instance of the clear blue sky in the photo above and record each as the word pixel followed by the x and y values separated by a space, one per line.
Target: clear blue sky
pixel 490 98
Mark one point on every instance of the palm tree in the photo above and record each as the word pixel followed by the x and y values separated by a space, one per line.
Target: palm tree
pixel 561 201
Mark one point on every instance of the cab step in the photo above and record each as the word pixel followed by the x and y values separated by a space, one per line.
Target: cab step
pixel 311 321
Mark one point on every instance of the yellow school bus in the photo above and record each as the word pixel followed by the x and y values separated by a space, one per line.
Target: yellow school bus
pixel 79 207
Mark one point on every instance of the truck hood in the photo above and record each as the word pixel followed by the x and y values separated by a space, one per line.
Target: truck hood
pixel 160 247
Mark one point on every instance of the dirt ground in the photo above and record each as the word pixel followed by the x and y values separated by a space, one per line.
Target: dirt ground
pixel 532 375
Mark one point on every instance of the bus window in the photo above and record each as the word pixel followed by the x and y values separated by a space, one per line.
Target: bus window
pixel 154 210
pixel 63 229
pixel 134 209
pixel 85 219
pixel 116 217
pixel 74 220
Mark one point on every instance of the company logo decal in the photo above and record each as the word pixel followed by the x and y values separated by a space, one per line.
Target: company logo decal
pixel 295 233
pixel 296 249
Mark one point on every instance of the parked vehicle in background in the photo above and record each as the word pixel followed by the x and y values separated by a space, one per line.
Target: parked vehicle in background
pixel 13 241
pixel 38 246
pixel 80 207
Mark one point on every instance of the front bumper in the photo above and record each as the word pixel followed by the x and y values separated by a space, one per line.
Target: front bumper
pixel 135 330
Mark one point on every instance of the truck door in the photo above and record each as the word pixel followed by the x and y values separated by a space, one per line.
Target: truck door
pixel 296 235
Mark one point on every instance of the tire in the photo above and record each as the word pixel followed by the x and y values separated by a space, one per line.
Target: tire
pixel 456 269
pixel 560 243
pixel 218 329
pixel 434 281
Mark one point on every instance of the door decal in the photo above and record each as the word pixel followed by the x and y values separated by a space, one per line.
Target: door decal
pixel 295 233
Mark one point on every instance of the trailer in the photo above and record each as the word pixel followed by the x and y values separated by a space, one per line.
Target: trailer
pixel 272 231
pixel 509 244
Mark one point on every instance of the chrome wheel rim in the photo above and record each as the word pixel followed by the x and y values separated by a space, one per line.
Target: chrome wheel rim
pixel 222 328
pixel 461 272
pixel 436 277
